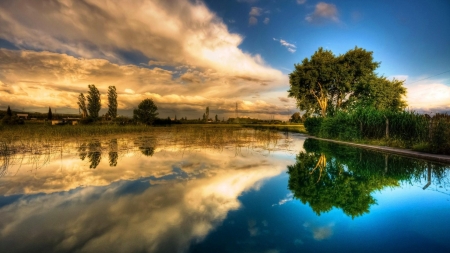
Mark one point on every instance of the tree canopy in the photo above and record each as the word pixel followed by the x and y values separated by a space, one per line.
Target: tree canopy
pixel 326 83
pixel 146 111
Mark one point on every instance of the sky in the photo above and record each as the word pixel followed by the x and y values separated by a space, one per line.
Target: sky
pixel 187 55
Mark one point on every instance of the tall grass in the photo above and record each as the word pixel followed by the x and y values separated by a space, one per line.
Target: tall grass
pixel 405 129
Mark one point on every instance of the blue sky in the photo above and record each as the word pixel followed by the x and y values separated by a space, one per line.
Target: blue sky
pixel 187 55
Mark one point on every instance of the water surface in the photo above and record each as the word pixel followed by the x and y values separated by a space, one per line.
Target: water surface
pixel 219 190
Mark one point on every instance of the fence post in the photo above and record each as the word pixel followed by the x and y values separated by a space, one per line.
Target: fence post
pixel 387 127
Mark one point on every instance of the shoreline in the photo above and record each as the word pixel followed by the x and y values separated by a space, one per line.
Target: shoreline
pixel 398 151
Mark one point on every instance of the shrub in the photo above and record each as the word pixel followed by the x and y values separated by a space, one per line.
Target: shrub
pixel 313 125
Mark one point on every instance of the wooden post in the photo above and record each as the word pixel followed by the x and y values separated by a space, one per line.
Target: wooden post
pixel 387 127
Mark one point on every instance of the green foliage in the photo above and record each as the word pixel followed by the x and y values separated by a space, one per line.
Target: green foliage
pixel 327 83
pixel 112 102
pixel 94 102
pixel 313 125
pixel 440 134
pixel 379 93
pixel 406 129
pixel 146 112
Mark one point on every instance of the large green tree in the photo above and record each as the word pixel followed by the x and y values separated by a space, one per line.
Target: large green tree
pixel 326 83
pixel 112 102
pixel 146 112
pixel 94 102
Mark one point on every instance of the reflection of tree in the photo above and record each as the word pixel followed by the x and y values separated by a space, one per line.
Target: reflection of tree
pixel 328 175
pixel 94 155
pixel 113 155
pixel 82 151
pixel 146 145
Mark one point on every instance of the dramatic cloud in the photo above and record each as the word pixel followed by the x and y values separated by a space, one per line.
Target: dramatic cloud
pixel 187 33
pixel 187 62
pixel 32 79
pixel 266 21
pixel 290 47
pixel 301 1
pixel 322 13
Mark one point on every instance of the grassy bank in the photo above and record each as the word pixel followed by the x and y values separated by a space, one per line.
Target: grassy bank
pixel 403 129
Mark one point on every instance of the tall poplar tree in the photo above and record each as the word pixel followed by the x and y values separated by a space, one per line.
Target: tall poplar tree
pixel 82 105
pixel 94 101
pixel 112 102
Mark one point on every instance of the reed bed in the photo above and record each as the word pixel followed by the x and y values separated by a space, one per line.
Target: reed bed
pixel 40 145
pixel 403 129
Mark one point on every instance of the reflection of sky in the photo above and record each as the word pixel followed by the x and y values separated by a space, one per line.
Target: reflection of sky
pixel 205 202
pixel 156 204
pixel 406 219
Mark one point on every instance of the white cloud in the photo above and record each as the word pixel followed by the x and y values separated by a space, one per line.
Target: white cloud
pixel 266 21
pixel 301 1
pixel 289 46
pixel 255 11
pixel 129 91
pixel 322 13
pixel 429 96
pixel 252 20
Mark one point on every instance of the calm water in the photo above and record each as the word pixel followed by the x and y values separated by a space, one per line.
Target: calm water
pixel 218 190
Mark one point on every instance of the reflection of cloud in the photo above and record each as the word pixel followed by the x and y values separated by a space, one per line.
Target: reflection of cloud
pixel 320 232
pixel 160 218
pixel 289 197
pixel 322 13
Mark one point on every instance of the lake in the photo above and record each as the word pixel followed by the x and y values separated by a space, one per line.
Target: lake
pixel 218 190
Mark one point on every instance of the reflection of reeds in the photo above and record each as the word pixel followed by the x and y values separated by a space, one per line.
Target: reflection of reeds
pixel 38 152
